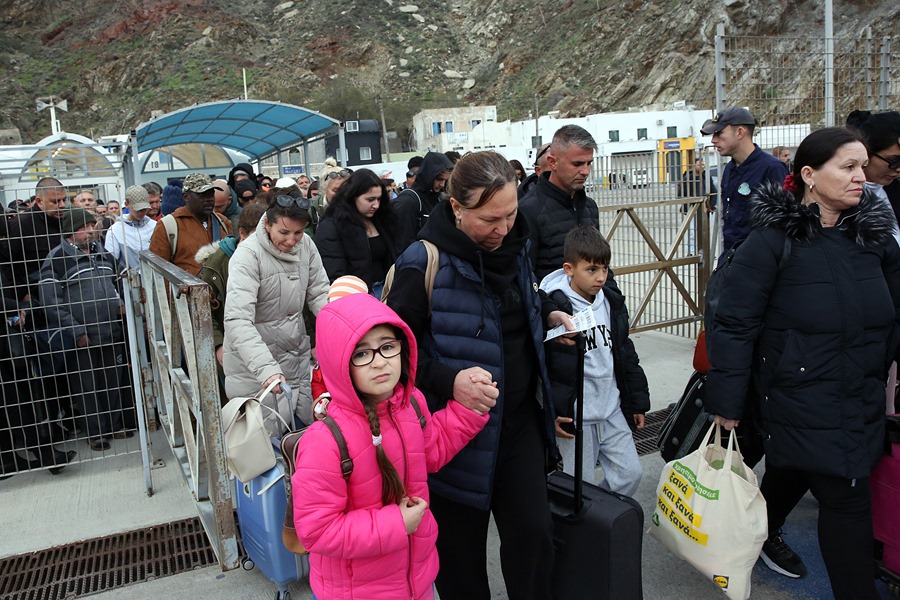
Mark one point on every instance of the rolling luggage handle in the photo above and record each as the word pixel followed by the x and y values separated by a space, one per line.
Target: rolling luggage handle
pixel 578 496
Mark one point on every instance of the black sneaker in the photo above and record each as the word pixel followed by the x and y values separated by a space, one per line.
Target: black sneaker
pixel 779 557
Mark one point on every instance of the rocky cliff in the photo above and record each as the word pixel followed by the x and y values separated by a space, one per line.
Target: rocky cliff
pixel 116 61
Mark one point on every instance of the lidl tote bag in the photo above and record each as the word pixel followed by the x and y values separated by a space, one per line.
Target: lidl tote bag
pixel 709 511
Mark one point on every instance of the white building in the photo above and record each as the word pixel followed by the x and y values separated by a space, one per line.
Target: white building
pixel 445 129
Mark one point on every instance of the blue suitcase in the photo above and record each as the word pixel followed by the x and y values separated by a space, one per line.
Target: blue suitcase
pixel 261 505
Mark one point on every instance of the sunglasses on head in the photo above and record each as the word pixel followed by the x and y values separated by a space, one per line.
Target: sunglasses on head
pixel 893 162
pixel 289 201
pixel 541 153
pixel 342 173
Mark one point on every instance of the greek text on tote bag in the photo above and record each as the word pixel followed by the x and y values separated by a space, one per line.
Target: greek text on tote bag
pixel 710 512
pixel 248 445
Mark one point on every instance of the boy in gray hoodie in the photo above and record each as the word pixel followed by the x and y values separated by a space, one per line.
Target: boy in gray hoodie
pixel 615 387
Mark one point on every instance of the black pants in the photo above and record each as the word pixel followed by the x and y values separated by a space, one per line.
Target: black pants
pixel 845 525
pixel 97 380
pixel 522 514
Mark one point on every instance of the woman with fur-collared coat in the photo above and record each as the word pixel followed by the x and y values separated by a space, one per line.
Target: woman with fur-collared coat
pixel 272 276
pixel 810 345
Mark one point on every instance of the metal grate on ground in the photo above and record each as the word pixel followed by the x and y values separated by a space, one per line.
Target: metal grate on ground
pixel 645 439
pixel 102 564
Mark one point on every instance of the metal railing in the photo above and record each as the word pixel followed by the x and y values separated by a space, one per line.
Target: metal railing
pixel 186 390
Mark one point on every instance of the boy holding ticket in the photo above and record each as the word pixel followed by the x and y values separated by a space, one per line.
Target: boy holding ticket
pixel 615 387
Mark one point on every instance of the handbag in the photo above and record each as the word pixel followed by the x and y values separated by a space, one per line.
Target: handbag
pixel 710 512
pixel 248 446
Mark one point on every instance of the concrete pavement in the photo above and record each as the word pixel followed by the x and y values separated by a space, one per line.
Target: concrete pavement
pixel 104 497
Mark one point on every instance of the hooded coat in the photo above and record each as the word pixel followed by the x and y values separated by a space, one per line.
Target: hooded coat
pixel 246 168
pixel 265 332
pixel 413 205
pixel 809 346
pixel 359 547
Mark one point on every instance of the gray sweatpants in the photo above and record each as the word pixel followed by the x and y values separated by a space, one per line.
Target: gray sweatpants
pixel 610 443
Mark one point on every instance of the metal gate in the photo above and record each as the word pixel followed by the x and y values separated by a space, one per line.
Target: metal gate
pixel 186 389
pixel 659 231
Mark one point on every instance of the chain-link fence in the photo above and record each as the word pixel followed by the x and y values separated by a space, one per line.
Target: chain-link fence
pixel 67 391
pixel 786 82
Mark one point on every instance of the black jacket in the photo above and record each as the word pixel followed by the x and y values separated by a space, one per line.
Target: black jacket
pixel 551 214
pixel 30 239
pixel 344 248
pixel 526 185
pixel 810 345
pixel 413 205
pixel 634 391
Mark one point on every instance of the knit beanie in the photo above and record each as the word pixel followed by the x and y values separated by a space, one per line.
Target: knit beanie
pixel 74 219
pixel 346 285
pixel 172 199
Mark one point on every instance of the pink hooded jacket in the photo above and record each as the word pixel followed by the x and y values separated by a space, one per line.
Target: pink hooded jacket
pixel 358 547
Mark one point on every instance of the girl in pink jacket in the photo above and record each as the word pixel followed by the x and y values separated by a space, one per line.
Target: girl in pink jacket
pixel 373 537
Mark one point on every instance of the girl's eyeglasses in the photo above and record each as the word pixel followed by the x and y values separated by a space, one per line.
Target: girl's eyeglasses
pixel 289 201
pixel 363 357
pixel 265 186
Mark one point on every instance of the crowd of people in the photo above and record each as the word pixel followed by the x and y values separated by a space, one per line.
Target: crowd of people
pixel 453 407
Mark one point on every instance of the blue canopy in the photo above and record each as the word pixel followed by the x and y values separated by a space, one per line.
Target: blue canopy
pixel 256 128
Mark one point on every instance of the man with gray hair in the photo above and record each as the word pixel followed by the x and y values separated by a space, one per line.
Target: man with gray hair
pixel 557 202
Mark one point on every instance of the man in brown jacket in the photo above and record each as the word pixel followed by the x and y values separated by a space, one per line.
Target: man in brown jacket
pixel 178 236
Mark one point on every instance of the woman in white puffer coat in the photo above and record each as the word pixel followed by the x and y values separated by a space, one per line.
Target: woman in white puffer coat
pixel 272 276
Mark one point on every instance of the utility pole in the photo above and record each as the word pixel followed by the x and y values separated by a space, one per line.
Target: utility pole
pixel 387 148
pixel 537 130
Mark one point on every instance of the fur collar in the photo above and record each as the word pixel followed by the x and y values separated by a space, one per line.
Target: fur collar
pixel 871 223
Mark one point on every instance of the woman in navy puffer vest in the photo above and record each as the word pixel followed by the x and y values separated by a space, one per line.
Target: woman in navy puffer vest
pixel 481 343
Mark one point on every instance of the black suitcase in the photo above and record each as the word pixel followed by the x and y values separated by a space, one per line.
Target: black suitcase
pixel 597 534
pixel 684 428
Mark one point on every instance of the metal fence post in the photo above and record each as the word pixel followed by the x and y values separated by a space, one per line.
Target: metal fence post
pixel 720 67
pixel 829 64
pixel 885 72
pixel 869 98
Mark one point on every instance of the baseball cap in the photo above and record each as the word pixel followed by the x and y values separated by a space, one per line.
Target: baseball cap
pixel 199 183
pixel 137 198
pixel 729 116
pixel 285 182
